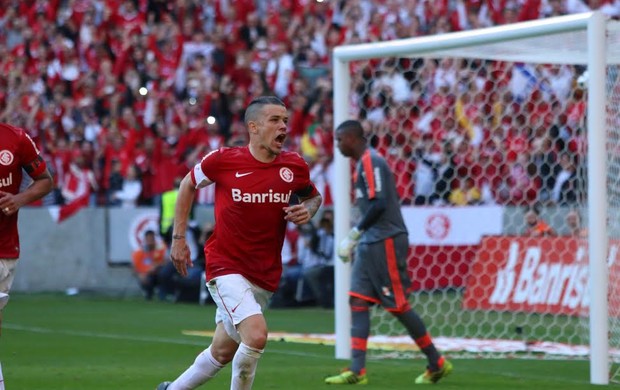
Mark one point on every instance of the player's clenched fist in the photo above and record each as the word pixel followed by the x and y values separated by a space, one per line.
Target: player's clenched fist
pixel 346 246
pixel 298 214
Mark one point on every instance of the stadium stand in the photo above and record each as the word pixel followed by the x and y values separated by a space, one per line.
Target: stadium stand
pixel 156 84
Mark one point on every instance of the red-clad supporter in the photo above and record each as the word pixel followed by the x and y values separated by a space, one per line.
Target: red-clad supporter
pixel 241 74
pixel 115 150
pixel 169 166
pixel 517 141
pixel 128 16
pixel 46 8
pixel 145 159
pixel 576 109
pixel 166 44
pixel 521 187
pixel 402 168
pixel 301 117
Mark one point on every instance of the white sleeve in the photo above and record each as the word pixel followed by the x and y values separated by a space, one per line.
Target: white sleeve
pixel 200 178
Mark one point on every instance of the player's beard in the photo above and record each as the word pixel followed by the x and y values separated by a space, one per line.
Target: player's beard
pixel 273 151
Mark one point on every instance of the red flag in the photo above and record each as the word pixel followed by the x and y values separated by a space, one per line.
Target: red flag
pixel 60 213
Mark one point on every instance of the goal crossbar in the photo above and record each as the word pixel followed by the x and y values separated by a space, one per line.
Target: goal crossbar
pixel 492 42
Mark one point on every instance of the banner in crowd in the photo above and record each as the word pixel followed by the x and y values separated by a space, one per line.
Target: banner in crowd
pixel 540 275
pixel 61 213
pixel 452 226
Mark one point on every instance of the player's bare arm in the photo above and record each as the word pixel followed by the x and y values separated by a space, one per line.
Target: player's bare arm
pixel 41 186
pixel 179 251
pixel 304 211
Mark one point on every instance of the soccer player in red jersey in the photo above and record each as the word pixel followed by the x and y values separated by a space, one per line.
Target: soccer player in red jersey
pixel 254 190
pixel 17 152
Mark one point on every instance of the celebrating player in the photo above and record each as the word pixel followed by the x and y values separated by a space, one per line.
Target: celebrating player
pixel 379 272
pixel 254 189
pixel 17 153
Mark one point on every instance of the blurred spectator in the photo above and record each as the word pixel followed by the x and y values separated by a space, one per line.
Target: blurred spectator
pixel 130 189
pixel 320 275
pixel 535 226
pixel 115 183
pixel 544 159
pixel 307 256
pixel 425 175
pixel 521 187
pixel 252 30
pixel 445 175
pixel 567 187
pixel 466 194
pixel 147 261
pixel 280 69
pixel 574 225
pixel 322 175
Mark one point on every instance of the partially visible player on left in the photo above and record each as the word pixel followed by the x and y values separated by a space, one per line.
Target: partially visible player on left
pixel 18 153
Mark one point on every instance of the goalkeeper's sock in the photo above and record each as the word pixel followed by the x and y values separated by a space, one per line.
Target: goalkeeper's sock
pixel 360 330
pixel 244 367
pixel 1 379
pixel 416 329
pixel 204 368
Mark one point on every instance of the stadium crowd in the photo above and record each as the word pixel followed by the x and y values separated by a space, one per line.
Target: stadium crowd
pixel 124 96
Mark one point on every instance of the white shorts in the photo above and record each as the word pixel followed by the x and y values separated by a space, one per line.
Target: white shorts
pixel 236 299
pixel 7 274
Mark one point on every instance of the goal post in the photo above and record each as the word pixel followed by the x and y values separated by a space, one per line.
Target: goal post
pixel 585 41
pixel 597 201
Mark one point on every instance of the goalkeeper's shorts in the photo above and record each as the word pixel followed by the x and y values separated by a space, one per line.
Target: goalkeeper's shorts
pixel 379 273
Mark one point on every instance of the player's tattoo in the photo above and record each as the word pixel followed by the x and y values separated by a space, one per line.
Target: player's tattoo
pixel 313 204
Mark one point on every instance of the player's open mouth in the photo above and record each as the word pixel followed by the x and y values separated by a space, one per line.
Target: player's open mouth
pixel 280 139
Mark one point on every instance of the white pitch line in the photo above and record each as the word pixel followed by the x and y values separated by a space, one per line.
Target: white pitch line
pixel 163 340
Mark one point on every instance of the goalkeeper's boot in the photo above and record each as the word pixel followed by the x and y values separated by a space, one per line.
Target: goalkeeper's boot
pixel 430 377
pixel 163 386
pixel 348 377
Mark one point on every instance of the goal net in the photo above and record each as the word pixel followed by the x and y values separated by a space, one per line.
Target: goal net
pixel 505 146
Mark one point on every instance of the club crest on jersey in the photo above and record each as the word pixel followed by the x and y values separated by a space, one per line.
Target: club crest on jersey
pixel 286 174
pixel 6 158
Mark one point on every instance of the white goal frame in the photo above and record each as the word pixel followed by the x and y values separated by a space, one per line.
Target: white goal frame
pixel 594 23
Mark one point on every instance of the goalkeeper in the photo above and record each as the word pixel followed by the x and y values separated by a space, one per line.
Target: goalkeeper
pixel 379 272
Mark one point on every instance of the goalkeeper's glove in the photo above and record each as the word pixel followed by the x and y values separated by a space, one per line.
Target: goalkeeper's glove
pixel 346 246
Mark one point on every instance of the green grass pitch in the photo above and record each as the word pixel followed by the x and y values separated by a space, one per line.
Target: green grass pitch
pixel 54 342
